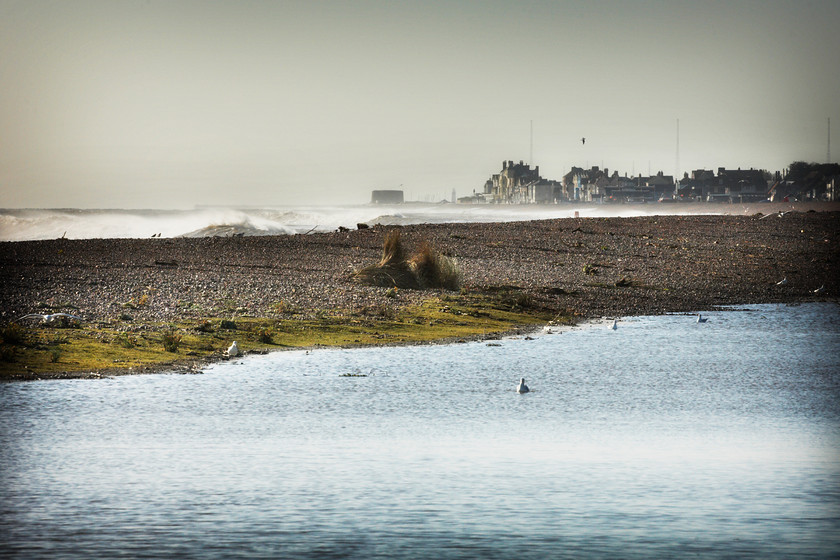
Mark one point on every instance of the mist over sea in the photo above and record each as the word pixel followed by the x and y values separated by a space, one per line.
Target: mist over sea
pixel 35 224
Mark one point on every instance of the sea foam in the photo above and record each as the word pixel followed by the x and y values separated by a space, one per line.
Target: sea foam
pixel 35 224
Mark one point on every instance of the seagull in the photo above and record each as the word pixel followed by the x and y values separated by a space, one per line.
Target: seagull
pixel 701 319
pixel 233 351
pixel 820 290
pixel 782 282
pixel 51 318
pixel 522 387
pixel 615 324
pixel 583 140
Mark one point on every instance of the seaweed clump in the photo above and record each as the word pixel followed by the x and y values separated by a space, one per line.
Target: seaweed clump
pixel 426 269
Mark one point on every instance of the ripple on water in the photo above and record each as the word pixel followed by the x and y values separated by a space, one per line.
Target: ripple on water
pixel 664 437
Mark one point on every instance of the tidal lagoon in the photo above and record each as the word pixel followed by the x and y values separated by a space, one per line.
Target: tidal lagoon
pixel 662 438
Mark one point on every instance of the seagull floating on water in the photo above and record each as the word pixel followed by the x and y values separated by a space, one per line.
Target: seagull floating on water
pixel 782 282
pixel 701 319
pixel 522 387
pixel 615 324
pixel 233 351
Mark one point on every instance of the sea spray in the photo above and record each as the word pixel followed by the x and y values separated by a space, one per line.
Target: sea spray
pixel 35 224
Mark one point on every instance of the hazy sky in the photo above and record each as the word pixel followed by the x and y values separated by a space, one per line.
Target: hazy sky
pixel 155 104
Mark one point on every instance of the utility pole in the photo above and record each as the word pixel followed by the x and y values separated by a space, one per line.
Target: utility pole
pixel 828 148
pixel 531 154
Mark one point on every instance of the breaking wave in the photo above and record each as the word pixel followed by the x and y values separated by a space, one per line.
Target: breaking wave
pixel 34 224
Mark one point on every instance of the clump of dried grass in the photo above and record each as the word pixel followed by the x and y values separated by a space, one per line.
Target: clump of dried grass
pixel 426 269
pixel 434 270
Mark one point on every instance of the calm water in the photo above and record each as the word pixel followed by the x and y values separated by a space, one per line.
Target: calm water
pixel 663 438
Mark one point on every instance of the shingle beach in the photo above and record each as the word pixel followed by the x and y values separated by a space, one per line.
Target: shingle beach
pixel 660 263
pixel 589 268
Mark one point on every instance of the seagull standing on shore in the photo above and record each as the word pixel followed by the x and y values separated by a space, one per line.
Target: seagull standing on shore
pixel 782 282
pixel 233 351
pixel 522 387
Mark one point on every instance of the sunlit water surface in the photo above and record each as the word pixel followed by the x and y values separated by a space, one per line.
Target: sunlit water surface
pixel 662 438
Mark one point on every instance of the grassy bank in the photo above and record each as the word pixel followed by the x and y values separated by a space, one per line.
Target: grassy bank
pixel 122 347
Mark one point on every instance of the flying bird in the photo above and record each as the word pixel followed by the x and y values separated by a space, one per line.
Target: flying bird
pixel 583 140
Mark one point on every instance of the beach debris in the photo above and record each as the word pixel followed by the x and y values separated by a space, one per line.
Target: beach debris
pixel 554 290
pixel 623 282
pixel 362 226
pixel 779 214
pixel 590 269
pixel 234 351
pixel 55 319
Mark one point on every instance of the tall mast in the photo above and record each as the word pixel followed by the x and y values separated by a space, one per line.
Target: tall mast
pixel 677 165
pixel 677 170
pixel 531 154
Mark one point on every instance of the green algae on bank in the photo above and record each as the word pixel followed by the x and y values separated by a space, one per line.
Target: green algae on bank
pixel 118 347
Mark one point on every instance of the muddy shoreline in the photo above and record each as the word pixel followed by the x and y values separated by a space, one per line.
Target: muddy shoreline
pixel 587 267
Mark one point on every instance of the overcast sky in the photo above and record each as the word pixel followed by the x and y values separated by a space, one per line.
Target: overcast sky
pixel 157 104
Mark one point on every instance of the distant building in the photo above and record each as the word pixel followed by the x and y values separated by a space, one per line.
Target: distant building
pixel 737 185
pixel 387 197
pixel 597 185
pixel 517 183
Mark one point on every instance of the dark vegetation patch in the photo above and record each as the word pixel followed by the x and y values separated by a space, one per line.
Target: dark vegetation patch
pixel 426 269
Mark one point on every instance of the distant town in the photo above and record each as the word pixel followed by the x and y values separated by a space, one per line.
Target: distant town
pixel 519 183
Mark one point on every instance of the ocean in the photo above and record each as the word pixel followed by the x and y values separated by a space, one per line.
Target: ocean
pixel 34 224
pixel 663 438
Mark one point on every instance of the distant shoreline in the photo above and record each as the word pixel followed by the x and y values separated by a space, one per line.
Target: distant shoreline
pixel 574 268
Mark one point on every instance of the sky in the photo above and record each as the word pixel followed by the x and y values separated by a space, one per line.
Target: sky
pixel 172 104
